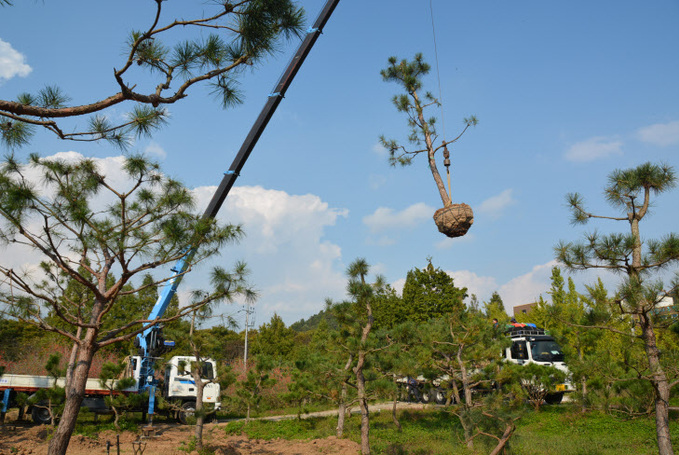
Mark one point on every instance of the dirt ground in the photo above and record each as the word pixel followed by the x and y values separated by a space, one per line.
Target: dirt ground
pixel 29 439
pixel 168 440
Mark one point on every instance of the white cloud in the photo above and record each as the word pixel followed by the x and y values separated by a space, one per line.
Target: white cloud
pixel 398 285
pixel 293 268
pixel 378 269
pixel 383 240
pixel 482 286
pixel 528 287
pixel 12 62
pixel 385 218
pixel 155 150
pixel 662 134
pixel 376 181
pixel 495 205
pixel 593 149
pixel 379 149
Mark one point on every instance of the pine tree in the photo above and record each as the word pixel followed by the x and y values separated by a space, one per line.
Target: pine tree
pixel 176 55
pixel 495 309
pixel 429 293
pixel 638 261
pixel 423 135
pixel 148 223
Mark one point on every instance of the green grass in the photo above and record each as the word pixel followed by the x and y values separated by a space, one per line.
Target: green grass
pixel 564 431
pixel 555 430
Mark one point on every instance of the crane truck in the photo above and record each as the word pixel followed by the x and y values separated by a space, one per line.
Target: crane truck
pixel 179 388
pixel 150 341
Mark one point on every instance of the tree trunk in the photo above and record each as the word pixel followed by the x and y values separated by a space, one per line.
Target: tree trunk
pixel 75 393
pixel 445 198
pixel 341 413
pixel 200 417
pixel 393 413
pixel 363 403
pixel 467 427
pixel 500 447
pixel 583 384
pixel 661 386
pixel 658 376
pixel 200 386
pixel 360 384
pixel 466 388
pixel 72 358
pixel 456 393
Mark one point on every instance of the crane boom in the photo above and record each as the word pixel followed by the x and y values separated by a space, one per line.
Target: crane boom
pixel 149 339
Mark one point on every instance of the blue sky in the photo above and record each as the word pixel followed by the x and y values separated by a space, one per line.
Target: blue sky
pixel 565 92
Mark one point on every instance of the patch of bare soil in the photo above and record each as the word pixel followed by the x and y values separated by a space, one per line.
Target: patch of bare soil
pixel 168 440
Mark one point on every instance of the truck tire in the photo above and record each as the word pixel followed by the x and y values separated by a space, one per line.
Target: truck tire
pixel 554 398
pixel 439 396
pixel 186 413
pixel 40 414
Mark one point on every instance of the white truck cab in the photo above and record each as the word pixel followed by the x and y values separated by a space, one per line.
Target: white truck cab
pixel 179 383
pixel 531 344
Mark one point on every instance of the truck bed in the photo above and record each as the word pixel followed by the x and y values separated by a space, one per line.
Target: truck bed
pixel 32 383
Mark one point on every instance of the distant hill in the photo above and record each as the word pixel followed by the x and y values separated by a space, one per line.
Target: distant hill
pixel 304 325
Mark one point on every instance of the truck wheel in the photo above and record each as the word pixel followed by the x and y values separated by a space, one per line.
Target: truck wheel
pixel 427 395
pixel 40 414
pixel 554 398
pixel 185 414
pixel 439 396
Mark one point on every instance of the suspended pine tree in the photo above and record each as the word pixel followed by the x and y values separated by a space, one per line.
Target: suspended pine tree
pixel 453 220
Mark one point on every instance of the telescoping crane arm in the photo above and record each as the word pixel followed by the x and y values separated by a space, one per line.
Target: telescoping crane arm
pixel 150 341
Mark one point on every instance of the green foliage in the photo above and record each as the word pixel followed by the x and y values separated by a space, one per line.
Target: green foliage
pixel 249 391
pixel 88 230
pixel 112 378
pixel 148 224
pixel 274 340
pixel 495 309
pixel 243 34
pixel 17 339
pixel 422 131
pixel 629 192
pixel 429 293
pixel 536 381
pixel 388 308
pixel 51 399
pixel 320 369
pixel 225 344
pixel 313 322
pixel 89 428
pixel 16 134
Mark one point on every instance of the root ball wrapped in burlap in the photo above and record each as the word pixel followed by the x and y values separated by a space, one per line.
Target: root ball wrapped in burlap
pixel 454 220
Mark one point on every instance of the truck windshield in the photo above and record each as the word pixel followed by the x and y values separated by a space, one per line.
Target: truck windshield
pixel 546 351
pixel 208 372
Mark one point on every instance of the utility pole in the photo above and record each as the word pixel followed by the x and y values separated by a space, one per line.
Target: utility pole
pixel 248 311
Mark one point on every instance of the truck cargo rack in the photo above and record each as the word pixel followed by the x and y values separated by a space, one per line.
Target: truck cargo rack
pixel 526 330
